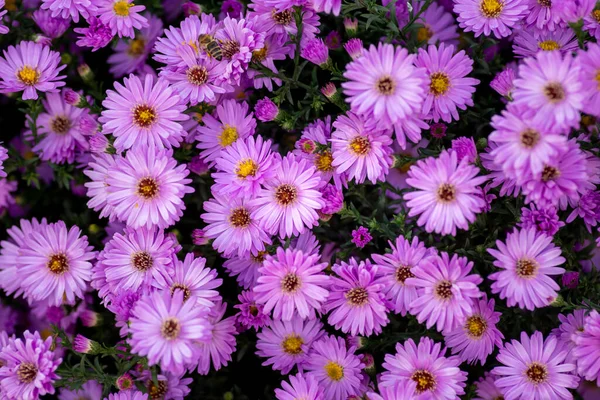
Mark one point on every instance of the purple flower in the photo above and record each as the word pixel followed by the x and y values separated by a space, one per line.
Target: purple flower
pixel 300 387
pixel 266 110
pixel 361 237
pixel 90 389
pixel 251 314
pixel 3 157
pixel 544 15
pixel 51 26
pixel 528 43
pixel 96 36
pixel 333 198
pixel 490 16
pixel 98 143
pixel 189 8
pixel 590 65
pixel 70 9
pixel 351 25
pixel 128 395
pixel 503 82
pixel 586 350
pixel 438 130
pixel 333 40
pixel 122 16
pixel 465 148
pixel 544 220
pixel 3 28
pixel 355 48
pixel 439 25
pixel 232 8
pixel 486 388
pixel 315 51
pixel 570 279
pixel 199 237
pixel 588 209
pixel 83 345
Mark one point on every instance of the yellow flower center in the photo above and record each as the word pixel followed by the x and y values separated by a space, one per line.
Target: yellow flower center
pixel 424 379
pixel 598 78
pixel 58 264
pixel 147 188
pixel 549 45
pixel 228 135
pixel 144 116
pixel 491 8
pixel 121 8
pixel 596 15
pixel 526 268
pixel 424 34
pixel 334 371
pixel 360 145
pixel 440 83
pixel 259 55
pixel 239 218
pixel 292 344
pixel 29 76
pixel 246 168
pixel 537 373
pixel 323 161
pixel 476 326
pixel 446 193
pixel 136 47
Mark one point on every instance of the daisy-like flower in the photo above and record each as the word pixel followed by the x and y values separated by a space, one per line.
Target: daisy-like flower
pixel 164 328
pixel 523 145
pixel 503 82
pixel 3 28
pixel 384 82
pixel 243 167
pixel 292 283
pixel 130 55
pixel 216 351
pixel 542 219
pixel 393 269
pixel 288 202
pixel 591 23
pixel 28 367
pixel 356 300
pixel 55 264
pixel 544 15
pixel 398 391
pixel 586 351
pixel 425 364
pixel 490 16
pixel 96 35
pixel 286 344
pixel 169 386
pixel 359 151
pixel 245 268
pixel 251 314
pixel 3 157
pixel 527 260
pixel 446 195
pixel 232 225
pixel 587 209
pixel 276 47
pixel 335 367
pixel 508 186
pixel 137 259
pixel 122 17
pixel 147 188
pixel 52 27
pixel 571 326
pixel 486 388
pixel 60 127
pixel 550 86
pixel 232 122
pixel 198 79
pixel 98 170
pixel 197 282
pixel 590 76
pixel 143 113
pixel 89 390
pixel 275 17
pixel 535 369
pixel 30 67
pixel 562 180
pixel 449 88
pixel 438 25
pixel 300 387
pixel 446 292
pixel 528 43
pixel 477 337
pixel 69 9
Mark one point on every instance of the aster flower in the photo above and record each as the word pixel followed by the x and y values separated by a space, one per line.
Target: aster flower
pixel 333 198
pixel 438 25
pixel 399 391
pixel 445 291
pixel 464 147
pixel 143 113
pixel 588 209
pixel 359 151
pixel 122 16
pixel 478 335
pixel 361 237
pixel 50 26
pixel 276 47
pixel 446 196
pixel 503 82
pixel 288 203
pixel 550 84
pixel 449 89
pixel 292 283
pixel 573 11
pixel 356 301
pixel 166 48
pixel 394 268
pixel 544 15
pixel 266 110
pixel 591 23
pixel 28 367
pixel 354 47
pixel 335 367
pixel 217 351
pixel 543 220
pixel 490 16
pixel 96 35
pixel 590 66
pixel 315 51
pixel 425 364
pixel 243 167
pixel 55 264
pixel 91 389
pixel 147 187
pixel 527 260
pixel 571 326
pixel 251 314
pixel 164 328
pixel 30 67
pixel 232 224
pixel 197 282
pixel 300 387
pixel 535 369
pixel 130 55
pixel 586 348
pixel 486 388
pixel 245 268
pixel 98 170
pixel 137 260
pixel 528 43
pixel 275 17
pixel 385 82
pixel 286 344
pixel 128 395
pixel 3 157
pixel 3 28
pixel 232 122
pixel 508 186
pixel 70 9
pixel 122 305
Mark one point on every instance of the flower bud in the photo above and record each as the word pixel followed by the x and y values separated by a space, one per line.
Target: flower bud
pixel 198 166
pixel 73 98
pixel 199 237
pixel 85 72
pixel 351 26
pixel 570 279
pixel 125 382
pixel 355 48
pixel 265 110
pixel 316 52
pixel 83 345
pixel 98 143
pixel 191 8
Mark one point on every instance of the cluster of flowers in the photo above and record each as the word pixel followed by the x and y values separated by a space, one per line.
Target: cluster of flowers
pixel 265 203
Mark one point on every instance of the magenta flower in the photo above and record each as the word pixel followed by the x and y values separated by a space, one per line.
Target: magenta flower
pixel 570 279
pixel 503 82
pixel 3 157
pixel 544 220
pixel 286 344
pixel 449 88
pixel 300 387
pixel 266 110
pixel 361 237
pixel 535 369
pixel 465 148
pixel 292 283
pixel 590 65
pixel 486 388
pixel 96 36
pixel 384 82
pixel 128 395
pixel 245 268
pixel 164 328
pixel 446 292
pixel 147 188
pixel 143 113
pixel 335 367
pixel 3 28
pixel 315 51
pixel 122 16
pixel 446 195
pixel 528 43
pixel 426 369
pixel 544 15
pixel 527 260
pixel 586 350
pixel 98 170
pixel 91 389
pixel 570 328
pixel 251 314
pixel 439 25
pixel 167 47
pixel 354 47
pixel 591 23
pixel 30 67
pixel 490 16
pixel 588 208
pixel 356 301
pixel 333 198
pixel 50 26
pixel 70 9
pixel 28 367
